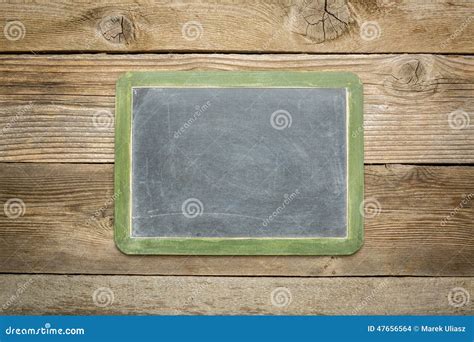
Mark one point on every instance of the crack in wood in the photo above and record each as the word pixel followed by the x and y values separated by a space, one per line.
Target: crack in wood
pixel 117 29
pixel 319 21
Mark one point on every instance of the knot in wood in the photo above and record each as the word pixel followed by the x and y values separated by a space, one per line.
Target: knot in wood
pixel 412 77
pixel 319 21
pixel 117 29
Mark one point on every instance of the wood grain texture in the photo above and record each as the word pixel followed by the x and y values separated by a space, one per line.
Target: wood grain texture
pixel 273 26
pixel 61 108
pixel 79 295
pixel 419 221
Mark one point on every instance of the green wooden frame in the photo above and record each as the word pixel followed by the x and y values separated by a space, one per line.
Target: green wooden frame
pixel 239 246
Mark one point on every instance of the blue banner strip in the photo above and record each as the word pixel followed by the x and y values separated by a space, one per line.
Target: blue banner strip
pixel 237 328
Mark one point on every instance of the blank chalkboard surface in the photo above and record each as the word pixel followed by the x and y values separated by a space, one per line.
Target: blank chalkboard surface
pixel 239 163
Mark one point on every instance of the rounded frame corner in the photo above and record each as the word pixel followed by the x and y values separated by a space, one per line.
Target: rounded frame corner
pixel 123 245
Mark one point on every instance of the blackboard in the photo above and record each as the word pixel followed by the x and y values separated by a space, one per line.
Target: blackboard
pixel 239 163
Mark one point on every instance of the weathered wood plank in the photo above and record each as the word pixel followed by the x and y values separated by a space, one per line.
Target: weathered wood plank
pixel 421 223
pixel 79 295
pixel 230 25
pixel 60 108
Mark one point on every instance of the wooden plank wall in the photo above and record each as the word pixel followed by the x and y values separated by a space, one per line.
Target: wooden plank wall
pixel 59 61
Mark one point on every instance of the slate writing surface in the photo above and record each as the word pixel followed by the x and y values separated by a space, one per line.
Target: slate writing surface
pixel 239 162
